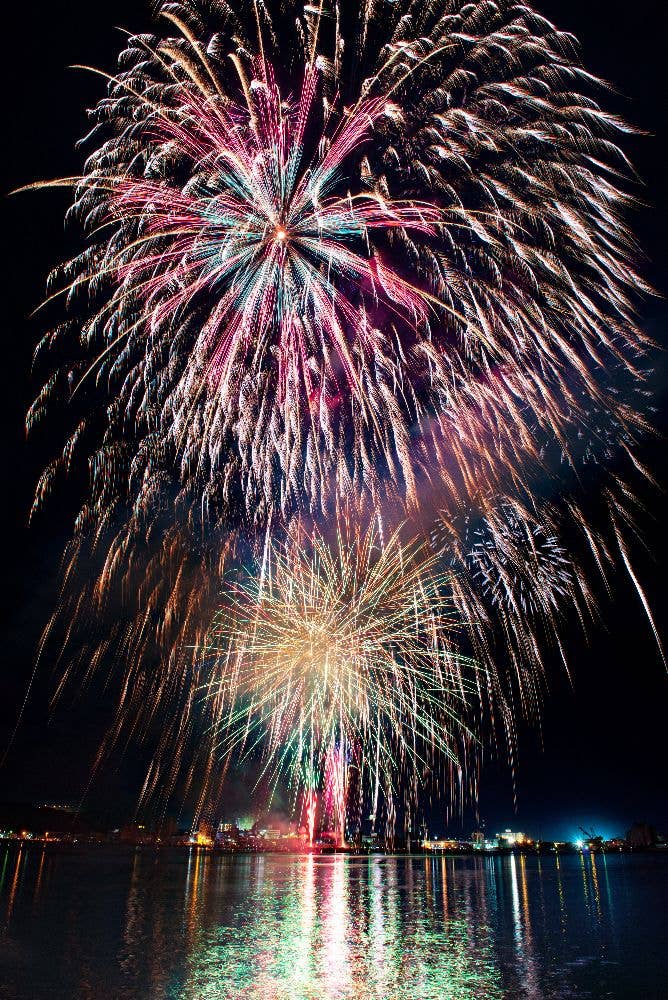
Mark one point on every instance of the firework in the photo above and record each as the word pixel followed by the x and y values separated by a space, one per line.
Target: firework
pixel 373 260
pixel 340 655
pixel 296 296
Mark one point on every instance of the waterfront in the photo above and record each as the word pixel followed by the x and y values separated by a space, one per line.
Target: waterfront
pixel 197 926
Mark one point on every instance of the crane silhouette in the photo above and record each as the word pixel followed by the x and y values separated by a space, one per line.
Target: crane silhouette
pixel 591 837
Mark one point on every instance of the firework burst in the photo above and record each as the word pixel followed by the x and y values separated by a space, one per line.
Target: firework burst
pixel 343 654
pixel 368 259
pixel 280 269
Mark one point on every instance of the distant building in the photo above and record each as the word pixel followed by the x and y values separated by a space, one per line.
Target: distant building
pixel 510 839
pixel 478 839
pixel 167 831
pixel 371 841
pixel 441 844
pixel 135 833
pixel 641 835
pixel 615 844
pixel 227 835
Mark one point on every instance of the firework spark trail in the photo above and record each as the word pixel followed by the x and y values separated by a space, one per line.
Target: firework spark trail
pixel 373 259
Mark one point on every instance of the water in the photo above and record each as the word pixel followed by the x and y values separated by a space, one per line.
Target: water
pixel 103 925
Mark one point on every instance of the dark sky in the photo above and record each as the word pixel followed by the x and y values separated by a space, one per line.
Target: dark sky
pixel 600 756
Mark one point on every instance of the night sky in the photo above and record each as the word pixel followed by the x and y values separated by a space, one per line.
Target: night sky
pixel 599 759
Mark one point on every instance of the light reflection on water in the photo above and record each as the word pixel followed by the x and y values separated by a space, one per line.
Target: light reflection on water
pixel 143 926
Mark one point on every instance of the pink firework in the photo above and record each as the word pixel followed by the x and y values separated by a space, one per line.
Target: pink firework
pixel 311 809
pixel 335 802
pixel 259 233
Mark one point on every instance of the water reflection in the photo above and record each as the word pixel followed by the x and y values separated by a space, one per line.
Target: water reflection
pixel 344 927
pixel 196 927
pixel 14 878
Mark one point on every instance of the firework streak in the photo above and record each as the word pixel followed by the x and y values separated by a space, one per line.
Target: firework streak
pixel 363 265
